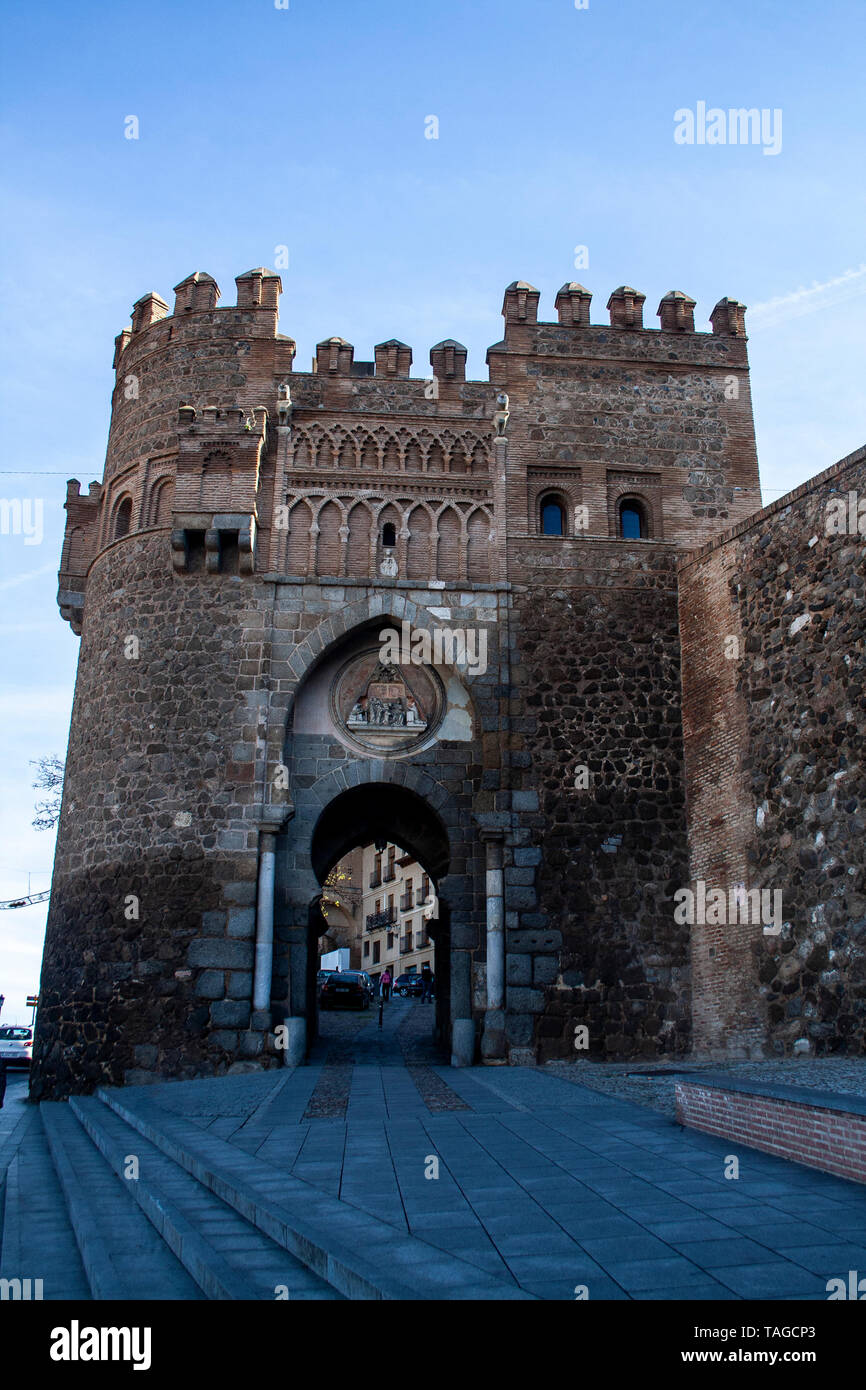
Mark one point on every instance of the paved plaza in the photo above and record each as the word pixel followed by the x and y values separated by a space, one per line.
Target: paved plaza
pixel 378 1171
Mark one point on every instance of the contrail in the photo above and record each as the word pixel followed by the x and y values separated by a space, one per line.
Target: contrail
pixel 17 579
pixel 808 301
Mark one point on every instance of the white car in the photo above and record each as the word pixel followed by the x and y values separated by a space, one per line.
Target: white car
pixel 16 1045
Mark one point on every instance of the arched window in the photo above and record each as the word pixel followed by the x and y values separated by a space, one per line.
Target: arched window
pixel 123 518
pixel 632 520
pixel 389 534
pixel 552 517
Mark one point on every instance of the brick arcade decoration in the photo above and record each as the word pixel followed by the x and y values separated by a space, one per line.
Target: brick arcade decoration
pixel 672 691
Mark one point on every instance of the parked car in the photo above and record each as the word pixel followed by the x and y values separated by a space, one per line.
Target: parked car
pixel 16 1045
pixel 322 975
pixel 351 989
pixel 408 984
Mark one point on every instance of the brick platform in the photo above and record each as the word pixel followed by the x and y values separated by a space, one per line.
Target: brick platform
pixel 816 1128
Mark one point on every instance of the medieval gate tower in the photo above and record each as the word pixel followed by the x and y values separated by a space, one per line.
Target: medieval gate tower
pixel 236 729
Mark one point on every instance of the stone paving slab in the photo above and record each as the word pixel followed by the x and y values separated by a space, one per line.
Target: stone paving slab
pixel 361 1256
pixel 543 1183
pixel 547 1178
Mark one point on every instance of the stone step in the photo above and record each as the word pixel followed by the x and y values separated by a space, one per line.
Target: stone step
pixel 360 1255
pixel 38 1237
pixel 226 1256
pixel 123 1256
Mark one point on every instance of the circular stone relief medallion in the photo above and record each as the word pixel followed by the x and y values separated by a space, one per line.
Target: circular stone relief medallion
pixel 384 708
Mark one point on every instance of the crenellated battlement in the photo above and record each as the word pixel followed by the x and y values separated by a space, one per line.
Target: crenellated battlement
pixel 258 292
pixel 249 466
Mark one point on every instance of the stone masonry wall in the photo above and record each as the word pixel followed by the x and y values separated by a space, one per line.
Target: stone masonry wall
pixel 776 772
pixel 597 664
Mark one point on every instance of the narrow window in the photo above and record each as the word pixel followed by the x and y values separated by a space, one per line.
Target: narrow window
pixel 632 526
pixel 552 518
pixel 123 518
pixel 389 534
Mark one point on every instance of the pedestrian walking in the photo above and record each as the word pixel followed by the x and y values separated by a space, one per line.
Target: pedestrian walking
pixel 385 983
pixel 426 983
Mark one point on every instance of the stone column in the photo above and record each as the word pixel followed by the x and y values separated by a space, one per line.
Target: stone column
pixel 498 553
pixel 269 827
pixel 493 1038
pixel 462 1022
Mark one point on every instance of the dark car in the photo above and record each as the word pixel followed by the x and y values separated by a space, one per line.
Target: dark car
pixel 350 989
pixel 409 984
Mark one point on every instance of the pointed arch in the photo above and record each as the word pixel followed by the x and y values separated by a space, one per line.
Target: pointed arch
pixel 436 458
pixel 479 459
pixel 121 521
pixel 159 505
pixel 448 547
pixel 302 451
pixel 328 546
pixel 478 547
pixel 414 457
pixel 349 453
pixel 369 454
pixel 391 460
pixel 358 550
pixel 325 452
pixel 458 461
pixel 389 517
pixel 298 548
pixel 418 558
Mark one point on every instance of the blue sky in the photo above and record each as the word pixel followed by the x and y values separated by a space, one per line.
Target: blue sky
pixel 262 127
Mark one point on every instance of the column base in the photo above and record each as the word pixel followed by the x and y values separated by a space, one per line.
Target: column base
pixel 462 1042
pixel 296 1042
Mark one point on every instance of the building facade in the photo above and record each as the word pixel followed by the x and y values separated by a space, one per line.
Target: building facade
pixel 535 630
pixel 399 904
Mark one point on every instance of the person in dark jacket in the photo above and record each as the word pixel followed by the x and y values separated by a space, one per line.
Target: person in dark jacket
pixel 2 1081
pixel 426 983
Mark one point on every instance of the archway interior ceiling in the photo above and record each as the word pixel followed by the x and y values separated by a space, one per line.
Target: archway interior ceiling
pixel 379 811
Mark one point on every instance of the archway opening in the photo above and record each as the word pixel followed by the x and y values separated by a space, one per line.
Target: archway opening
pixel 380 853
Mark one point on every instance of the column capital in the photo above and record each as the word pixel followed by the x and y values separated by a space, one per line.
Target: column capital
pixel 271 819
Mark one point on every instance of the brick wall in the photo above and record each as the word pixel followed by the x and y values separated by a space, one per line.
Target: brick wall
pixel 818 1136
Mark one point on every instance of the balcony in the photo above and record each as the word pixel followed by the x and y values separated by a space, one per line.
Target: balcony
pixel 405 945
pixel 407 903
pixel 390 874
pixel 375 880
pixel 377 920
